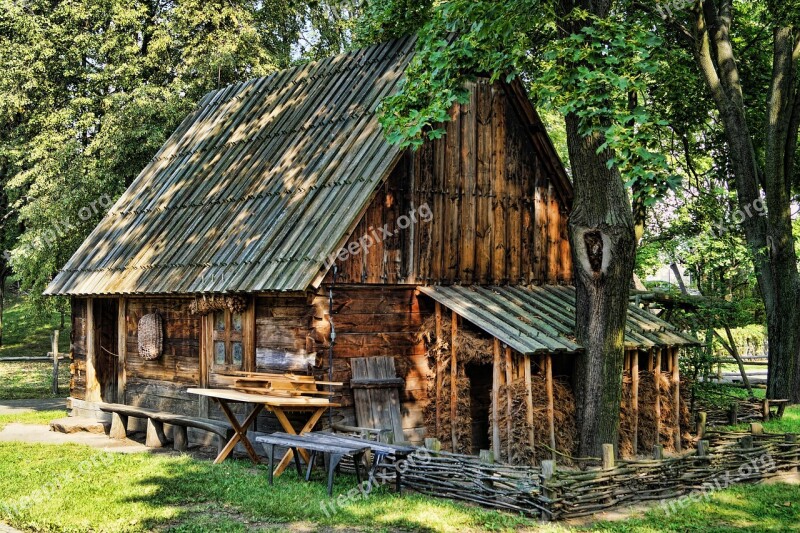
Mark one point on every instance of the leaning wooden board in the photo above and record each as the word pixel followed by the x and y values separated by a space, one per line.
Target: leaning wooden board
pixel 377 400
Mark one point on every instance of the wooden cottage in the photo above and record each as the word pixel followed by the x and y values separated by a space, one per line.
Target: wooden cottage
pixel 278 231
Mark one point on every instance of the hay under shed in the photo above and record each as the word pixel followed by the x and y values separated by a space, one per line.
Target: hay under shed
pixel 566 432
pixel 471 347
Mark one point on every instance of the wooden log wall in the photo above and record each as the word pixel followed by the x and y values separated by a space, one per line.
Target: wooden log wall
pixel 372 322
pixel 162 383
pixel 495 212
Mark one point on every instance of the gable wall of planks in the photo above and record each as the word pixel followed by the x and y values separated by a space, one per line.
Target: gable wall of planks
pixel 496 212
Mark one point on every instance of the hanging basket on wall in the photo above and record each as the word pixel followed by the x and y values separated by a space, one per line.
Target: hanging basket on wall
pixel 151 336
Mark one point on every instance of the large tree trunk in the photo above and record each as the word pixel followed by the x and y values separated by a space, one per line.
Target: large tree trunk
pixel 769 238
pixel 603 253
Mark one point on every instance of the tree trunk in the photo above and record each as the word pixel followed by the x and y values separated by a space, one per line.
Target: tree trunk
pixel 603 246
pixel 769 238
pixel 603 252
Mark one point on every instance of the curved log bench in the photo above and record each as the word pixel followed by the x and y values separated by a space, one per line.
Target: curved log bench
pixel 156 438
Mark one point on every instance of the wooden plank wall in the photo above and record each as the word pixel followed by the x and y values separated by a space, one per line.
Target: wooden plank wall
pixel 372 321
pixel 496 216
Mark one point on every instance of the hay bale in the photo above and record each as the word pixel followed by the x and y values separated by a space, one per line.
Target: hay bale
pixel 626 419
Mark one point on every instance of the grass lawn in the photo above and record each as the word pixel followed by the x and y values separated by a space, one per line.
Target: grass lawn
pixel 75 488
pixel 27 334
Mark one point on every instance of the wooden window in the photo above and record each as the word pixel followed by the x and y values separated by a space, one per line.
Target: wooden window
pixel 227 340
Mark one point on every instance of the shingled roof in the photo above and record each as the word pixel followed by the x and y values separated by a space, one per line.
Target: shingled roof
pixel 254 189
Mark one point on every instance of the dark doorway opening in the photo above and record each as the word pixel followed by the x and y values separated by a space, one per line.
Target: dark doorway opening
pixel 106 347
pixel 480 402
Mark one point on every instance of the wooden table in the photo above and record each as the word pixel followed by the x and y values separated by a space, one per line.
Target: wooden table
pixel 277 405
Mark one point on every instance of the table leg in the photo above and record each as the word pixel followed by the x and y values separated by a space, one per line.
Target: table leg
pixel 240 432
pixel 271 460
pixel 333 462
pixel 288 428
pixel 311 464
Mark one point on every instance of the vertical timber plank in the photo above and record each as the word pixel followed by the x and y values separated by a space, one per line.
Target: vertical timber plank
pixel 453 379
pixel 92 385
pixel 529 403
pixel 657 380
pixel 509 379
pixel 635 399
pixel 438 316
pixel 550 403
pixel 496 445
pixel 122 330
pixel 676 399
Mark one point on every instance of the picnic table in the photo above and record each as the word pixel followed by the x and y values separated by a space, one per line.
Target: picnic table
pixel 278 405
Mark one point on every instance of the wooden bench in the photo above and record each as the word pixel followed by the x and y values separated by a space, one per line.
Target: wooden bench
pixel 156 438
pixel 380 451
pixel 332 453
pixel 766 406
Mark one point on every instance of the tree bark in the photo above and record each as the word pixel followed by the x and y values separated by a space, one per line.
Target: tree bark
pixel 603 246
pixel 769 238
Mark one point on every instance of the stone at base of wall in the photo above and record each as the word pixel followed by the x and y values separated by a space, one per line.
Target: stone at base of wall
pixel 77 424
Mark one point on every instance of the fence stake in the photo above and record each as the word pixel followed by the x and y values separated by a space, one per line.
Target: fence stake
pixel 487 456
pixel 658 451
pixel 608 456
pixel 756 428
pixel 733 414
pixel 701 424
pixel 54 338
pixel 702 448
pixel 433 445
pixel 746 442
pixel 791 438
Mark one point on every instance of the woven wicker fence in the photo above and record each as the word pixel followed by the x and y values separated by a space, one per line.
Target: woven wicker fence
pixel 721 460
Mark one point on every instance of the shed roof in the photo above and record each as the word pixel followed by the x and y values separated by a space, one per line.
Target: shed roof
pixel 541 319
pixel 254 189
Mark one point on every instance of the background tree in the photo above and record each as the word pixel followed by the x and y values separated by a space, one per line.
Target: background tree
pixel 750 69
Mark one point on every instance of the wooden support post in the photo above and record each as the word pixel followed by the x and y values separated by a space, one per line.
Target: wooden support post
pixel 529 405
pixel 54 347
pixel 676 397
pixel 550 403
pixel 496 445
pixel 765 410
pixel 119 426
pixel 608 456
pixel 454 380
pixel 635 399
pixel 657 381
pixel 438 332
pixel 92 385
pixel 155 434
pixel 122 338
pixel 180 438
pixel 756 428
pixel 548 469
pixel 746 442
pixel 701 424
pixel 509 425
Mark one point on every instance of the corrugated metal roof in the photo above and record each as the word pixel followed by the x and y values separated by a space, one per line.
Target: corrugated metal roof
pixel 254 189
pixel 541 319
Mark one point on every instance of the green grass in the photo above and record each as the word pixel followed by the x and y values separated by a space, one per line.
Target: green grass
pixel 75 488
pixel 790 423
pixel 32 380
pixel 34 417
pixel 26 333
